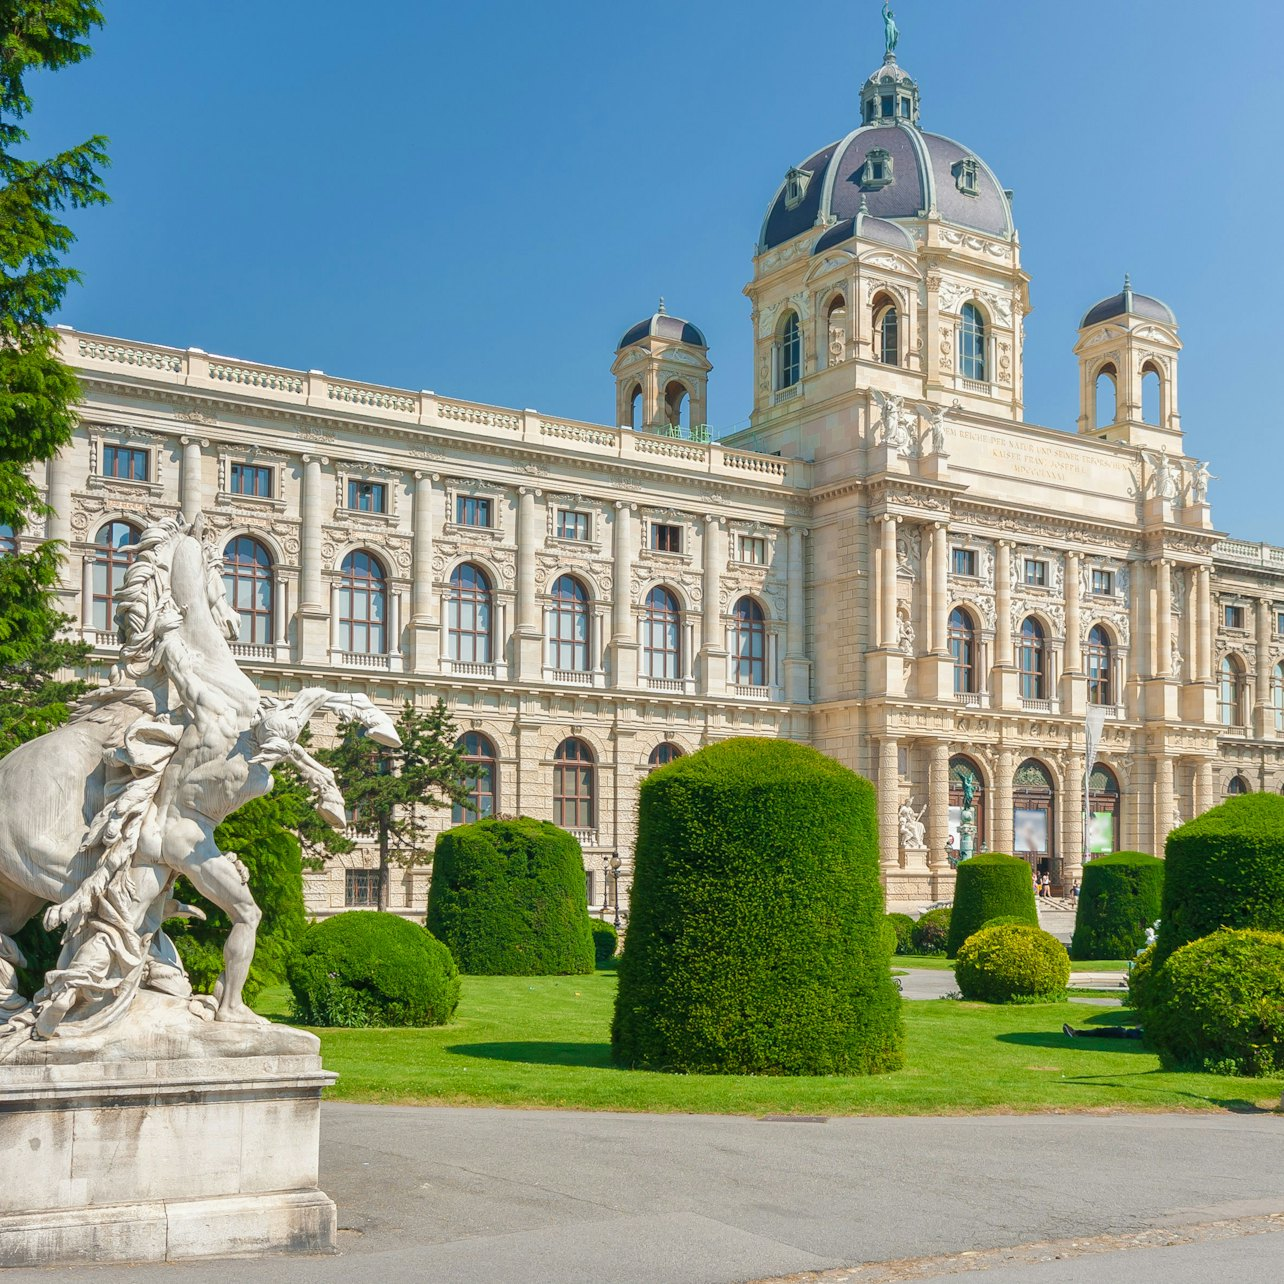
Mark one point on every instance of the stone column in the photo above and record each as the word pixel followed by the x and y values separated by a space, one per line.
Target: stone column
pixel 1074 655
pixel 1164 617
pixel 1203 786
pixel 425 644
pixel 1164 801
pixel 713 651
pixel 938 806
pixel 797 664
pixel 192 497
pixel 887 582
pixel 624 645
pixel 1003 603
pixel 940 589
pixel 1263 714
pixel 313 607
pixel 1203 625
pixel 1072 842
pixel 1002 795
pixel 889 833
pixel 528 636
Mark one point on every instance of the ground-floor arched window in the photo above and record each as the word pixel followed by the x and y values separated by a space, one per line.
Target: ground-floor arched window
pixel 1033 814
pixel 1103 811
pixel 966 832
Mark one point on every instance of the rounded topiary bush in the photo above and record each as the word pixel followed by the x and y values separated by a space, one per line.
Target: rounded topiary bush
pixel 1140 972
pixel 903 926
pixel 932 932
pixel 1012 961
pixel 508 899
pixel 606 941
pixel 986 886
pixel 370 968
pixel 1217 1004
pixel 755 939
pixel 1225 869
pixel 1119 898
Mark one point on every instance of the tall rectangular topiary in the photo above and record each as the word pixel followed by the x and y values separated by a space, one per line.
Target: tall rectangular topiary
pixel 1119 899
pixel 990 886
pixel 508 898
pixel 755 936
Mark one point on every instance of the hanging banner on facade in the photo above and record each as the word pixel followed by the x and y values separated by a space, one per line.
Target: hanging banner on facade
pixel 1101 832
pixel 1030 830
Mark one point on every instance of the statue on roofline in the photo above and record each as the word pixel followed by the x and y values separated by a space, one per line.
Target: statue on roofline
pixel 891 30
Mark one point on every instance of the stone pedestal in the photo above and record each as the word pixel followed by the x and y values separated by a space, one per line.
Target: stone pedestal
pixel 178 1139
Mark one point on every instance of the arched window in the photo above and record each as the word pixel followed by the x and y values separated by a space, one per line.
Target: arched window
pixel 573 785
pixel 1097 660
pixel 482 779
pixel 1033 799
pixel 1105 397
pixel 750 657
pixel 1034 660
pixel 963 651
pixel 662 635
pixel 1230 691
pixel 568 626
pixel 1103 811
pixel 790 359
pixel 1237 785
pixel 363 605
pixel 247 579
pixel 110 563
pixel 887 332
pixel 663 754
pixel 967 832
pixel 8 543
pixel 836 325
pixel 1151 394
pixel 635 408
pixel 972 357
pixel 1277 695
pixel 677 405
pixel 468 615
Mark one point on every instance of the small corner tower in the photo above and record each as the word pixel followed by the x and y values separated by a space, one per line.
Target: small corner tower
pixel 1127 350
pixel 661 371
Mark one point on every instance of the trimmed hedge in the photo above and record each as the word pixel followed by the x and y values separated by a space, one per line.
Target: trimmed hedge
pixel 507 898
pixel 1225 869
pixel 606 941
pixel 1120 897
pixel 755 941
pixel 932 932
pixel 1217 1004
pixel 367 968
pixel 986 886
pixel 903 926
pixel 1012 961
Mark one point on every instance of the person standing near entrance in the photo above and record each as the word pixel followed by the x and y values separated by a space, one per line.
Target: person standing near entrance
pixel 1045 885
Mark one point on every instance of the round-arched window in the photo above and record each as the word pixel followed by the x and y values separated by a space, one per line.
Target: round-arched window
pixel 468 615
pixel 112 556
pixel 1033 802
pixel 1103 811
pixel 363 605
pixel 1097 662
pixel 962 643
pixel 1231 686
pixel 481 781
pixel 887 332
pixel 750 658
pixel 567 626
pixel 662 635
pixel 248 582
pixel 1237 785
pixel 663 754
pixel 574 785
pixel 1034 660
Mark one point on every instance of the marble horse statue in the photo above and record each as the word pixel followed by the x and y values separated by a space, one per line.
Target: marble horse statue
pixel 99 817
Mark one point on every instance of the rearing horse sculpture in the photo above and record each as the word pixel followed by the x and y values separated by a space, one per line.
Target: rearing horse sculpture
pixel 101 815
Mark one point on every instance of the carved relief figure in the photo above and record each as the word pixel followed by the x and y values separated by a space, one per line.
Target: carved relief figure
pixel 904 631
pixel 913 834
pixel 936 418
pixel 1163 474
pixel 1199 479
pixel 894 423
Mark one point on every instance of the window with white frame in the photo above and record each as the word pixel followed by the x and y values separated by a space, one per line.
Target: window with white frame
pixel 126 463
pixel 662 635
pixel 963 561
pixel 1036 573
pixel 572 525
pixel 1233 615
pixel 1103 582
pixel 751 549
pixel 973 361
pixel 666 538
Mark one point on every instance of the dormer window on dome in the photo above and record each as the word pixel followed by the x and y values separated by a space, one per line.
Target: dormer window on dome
pixel 877 170
pixel 967 176
pixel 796 187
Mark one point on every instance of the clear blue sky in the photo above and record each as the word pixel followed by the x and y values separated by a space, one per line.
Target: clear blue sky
pixel 479 198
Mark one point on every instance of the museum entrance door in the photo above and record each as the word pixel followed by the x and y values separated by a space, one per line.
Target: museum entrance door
pixel 1034 820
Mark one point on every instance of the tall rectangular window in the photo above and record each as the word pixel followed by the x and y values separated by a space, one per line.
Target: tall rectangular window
pixel 963 561
pixel 366 496
pixel 752 549
pixel 1103 583
pixel 128 463
pixel 1036 573
pixel 666 539
pixel 572 525
pixel 472 511
pixel 1233 616
pixel 251 479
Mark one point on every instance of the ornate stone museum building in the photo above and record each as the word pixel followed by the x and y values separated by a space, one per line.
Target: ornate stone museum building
pixel 889 563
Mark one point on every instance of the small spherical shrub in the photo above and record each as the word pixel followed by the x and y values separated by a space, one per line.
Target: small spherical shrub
pixel 366 968
pixel 990 885
pixel 755 940
pixel 1011 962
pixel 903 926
pixel 1217 1004
pixel 606 941
pixel 1119 898
pixel 1225 869
pixel 932 932
pixel 508 899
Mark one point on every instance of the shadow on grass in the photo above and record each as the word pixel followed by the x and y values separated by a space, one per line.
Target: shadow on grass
pixel 1235 1105
pixel 592 1055
pixel 1055 1039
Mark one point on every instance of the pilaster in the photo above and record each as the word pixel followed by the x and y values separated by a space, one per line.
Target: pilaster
pixel 315 623
pixel 1002 816
pixel 797 664
pixel 624 646
pixel 425 629
pixel 713 652
pixel 528 637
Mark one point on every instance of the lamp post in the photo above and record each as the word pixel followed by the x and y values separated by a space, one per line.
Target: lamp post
pixel 606 884
pixel 615 875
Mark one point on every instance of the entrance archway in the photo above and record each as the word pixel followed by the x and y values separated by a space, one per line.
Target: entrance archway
pixel 961 844
pixel 1034 816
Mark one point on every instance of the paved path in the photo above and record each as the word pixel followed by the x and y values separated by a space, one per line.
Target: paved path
pixel 554 1197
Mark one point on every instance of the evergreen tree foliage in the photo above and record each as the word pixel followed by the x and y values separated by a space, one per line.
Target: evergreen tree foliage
pixel 1120 897
pixel 755 941
pixel 990 885
pixel 390 791
pixel 508 899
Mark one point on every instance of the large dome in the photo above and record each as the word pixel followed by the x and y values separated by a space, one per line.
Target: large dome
pixel 911 173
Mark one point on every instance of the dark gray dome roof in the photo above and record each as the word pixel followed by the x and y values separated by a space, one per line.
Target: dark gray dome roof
pixel 924 176
pixel 664 326
pixel 868 228
pixel 1129 303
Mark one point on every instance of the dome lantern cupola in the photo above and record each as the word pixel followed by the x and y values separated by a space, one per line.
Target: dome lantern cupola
pixel 889 95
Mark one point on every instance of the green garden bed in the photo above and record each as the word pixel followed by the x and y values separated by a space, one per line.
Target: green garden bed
pixel 544 1042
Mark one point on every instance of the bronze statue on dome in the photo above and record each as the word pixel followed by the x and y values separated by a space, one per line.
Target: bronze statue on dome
pixel 892 30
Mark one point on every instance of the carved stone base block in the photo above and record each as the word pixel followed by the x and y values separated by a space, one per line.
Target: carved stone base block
pixel 909 889
pixel 162 1158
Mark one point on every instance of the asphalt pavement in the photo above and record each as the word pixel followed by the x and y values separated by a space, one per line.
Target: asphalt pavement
pixel 558 1197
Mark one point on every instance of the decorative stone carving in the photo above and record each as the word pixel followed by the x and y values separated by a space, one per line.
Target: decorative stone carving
pixel 904 630
pixel 1199 477
pixel 913 833
pixel 894 423
pixel 909 551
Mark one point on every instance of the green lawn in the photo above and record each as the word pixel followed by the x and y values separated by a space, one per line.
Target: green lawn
pixel 544 1042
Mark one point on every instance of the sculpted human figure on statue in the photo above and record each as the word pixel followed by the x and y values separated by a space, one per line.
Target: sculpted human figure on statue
pixel 911 825
pixel 178 741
